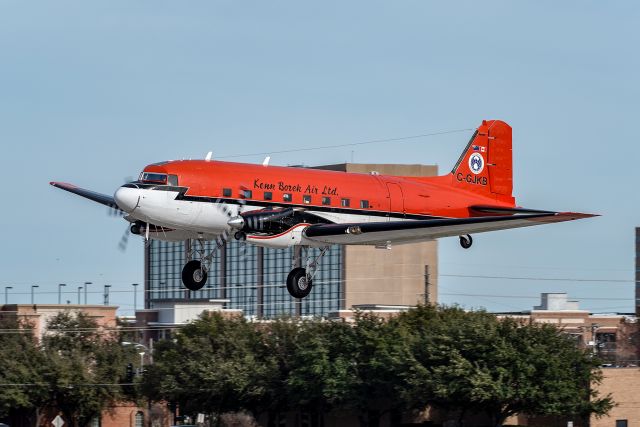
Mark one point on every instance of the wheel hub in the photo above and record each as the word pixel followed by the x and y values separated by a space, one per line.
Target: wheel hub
pixel 197 275
pixel 303 283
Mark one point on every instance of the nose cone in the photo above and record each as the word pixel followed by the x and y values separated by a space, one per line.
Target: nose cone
pixel 127 198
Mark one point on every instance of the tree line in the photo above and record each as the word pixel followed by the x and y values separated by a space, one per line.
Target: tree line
pixel 455 362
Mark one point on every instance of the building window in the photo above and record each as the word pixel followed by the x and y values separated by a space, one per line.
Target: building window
pixel 326 201
pixel 268 195
pixel 306 199
pixel 621 423
pixel 364 204
pixel 345 203
pixel 247 194
pixel 286 197
pixel 139 422
pixel 226 192
pixel 95 422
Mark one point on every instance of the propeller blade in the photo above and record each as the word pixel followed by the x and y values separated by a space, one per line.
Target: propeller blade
pixel 124 240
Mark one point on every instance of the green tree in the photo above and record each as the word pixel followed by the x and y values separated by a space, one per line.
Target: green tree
pixel 322 368
pixel 85 367
pixel 474 362
pixel 213 366
pixel 21 367
pixel 281 337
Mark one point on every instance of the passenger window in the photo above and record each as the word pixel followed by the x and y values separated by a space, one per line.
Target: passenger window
pixel 268 195
pixel 247 194
pixel 226 192
pixel 326 201
pixel 345 203
pixel 286 197
pixel 364 204
pixel 306 199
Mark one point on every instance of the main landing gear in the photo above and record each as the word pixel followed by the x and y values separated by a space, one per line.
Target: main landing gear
pixel 300 280
pixel 466 241
pixel 194 273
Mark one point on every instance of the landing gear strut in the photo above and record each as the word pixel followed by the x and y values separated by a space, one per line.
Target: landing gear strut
pixel 300 280
pixel 466 241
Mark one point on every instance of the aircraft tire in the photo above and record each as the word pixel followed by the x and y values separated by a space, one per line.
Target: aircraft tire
pixel 466 241
pixel 297 283
pixel 193 277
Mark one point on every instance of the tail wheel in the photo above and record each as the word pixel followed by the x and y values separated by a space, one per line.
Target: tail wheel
pixel 193 276
pixel 298 284
pixel 466 241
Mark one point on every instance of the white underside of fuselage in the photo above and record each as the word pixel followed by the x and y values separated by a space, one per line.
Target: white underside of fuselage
pixel 189 219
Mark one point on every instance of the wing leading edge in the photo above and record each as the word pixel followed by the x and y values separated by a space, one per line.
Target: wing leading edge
pixel 421 230
pixel 103 199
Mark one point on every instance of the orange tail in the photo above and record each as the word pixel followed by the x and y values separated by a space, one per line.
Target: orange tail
pixel 485 167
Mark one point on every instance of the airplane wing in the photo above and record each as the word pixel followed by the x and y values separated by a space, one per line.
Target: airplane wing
pixel 103 199
pixel 429 229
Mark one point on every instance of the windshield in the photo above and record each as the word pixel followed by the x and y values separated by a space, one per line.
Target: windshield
pixel 153 177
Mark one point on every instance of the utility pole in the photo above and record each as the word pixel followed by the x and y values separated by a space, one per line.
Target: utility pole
pixel 60 286
pixel 106 294
pixel 86 288
pixel 135 297
pixel 427 285
pixel 32 293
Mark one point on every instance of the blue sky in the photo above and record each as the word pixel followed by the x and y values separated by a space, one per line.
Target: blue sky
pixel 92 92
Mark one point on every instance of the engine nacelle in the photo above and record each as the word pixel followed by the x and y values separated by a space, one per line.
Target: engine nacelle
pixel 292 237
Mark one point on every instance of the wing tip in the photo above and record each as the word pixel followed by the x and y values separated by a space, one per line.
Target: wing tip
pixel 61 184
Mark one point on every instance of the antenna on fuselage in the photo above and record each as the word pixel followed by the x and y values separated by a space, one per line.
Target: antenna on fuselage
pixel 209 155
pixel 265 162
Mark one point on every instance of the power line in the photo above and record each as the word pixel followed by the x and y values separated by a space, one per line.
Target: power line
pixel 352 144
pixel 541 279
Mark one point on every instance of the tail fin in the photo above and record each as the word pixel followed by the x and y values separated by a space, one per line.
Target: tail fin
pixel 485 167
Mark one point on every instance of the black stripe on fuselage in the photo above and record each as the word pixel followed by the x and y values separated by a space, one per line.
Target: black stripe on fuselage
pixel 332 209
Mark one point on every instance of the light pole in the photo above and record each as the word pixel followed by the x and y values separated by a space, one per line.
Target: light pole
pixel 594 328
pixel 142 353
pixel 135 297
pixel 79 289
pixel 60 286
pixel 6 294
pixel 32 293
pixel 106 294
pixel 86 287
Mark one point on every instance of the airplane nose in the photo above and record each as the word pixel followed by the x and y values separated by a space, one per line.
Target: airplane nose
pixel 127 198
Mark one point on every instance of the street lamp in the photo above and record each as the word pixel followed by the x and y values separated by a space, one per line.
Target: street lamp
pixel 86 287
pixel 32 293
pixel 60 286
pixel 6 294
pixel 135 297
pixel 106 294
pixel 142 353
pixel 79 289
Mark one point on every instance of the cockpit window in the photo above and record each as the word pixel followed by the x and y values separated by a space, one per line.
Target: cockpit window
pixel 158 178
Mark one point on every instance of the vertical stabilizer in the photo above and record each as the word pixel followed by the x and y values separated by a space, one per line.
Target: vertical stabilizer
pixel 485 167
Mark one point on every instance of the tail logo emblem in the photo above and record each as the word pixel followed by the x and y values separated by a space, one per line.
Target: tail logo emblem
pixel 476 163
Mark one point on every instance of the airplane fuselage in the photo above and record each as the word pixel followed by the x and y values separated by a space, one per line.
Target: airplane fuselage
pixel 196 198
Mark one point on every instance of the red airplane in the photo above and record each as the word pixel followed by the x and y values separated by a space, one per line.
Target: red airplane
pixel 280 207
